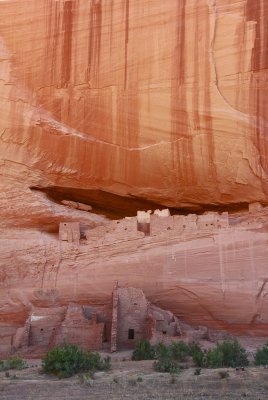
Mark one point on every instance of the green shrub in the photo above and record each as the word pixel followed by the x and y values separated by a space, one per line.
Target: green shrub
pixel 143 351
pixel 67 360
pixel 15 362
pixel 213 358
pixel 197 354
pixel 227 354
pixel 168 357
pixel 261 357
pixel 179 350
pixel 161 351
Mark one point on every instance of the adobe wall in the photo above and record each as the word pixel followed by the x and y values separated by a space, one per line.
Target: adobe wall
pixel 114 326
pixel 164 325
pixel 132 315
pixel 38 328
pixel 119 230
pixel 43 323
pixel 213 220
pixel 6 340
pixel 69 232
pixel 158 224
pixel 76 329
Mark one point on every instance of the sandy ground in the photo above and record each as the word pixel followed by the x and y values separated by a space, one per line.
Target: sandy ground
pixel 134 380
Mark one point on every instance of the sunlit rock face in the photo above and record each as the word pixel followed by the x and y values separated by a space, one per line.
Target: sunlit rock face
pixel 151 101
pixel 163 100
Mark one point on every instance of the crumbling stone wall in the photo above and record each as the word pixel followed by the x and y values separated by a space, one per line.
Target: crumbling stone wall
pixel 69 232
pixel 114 327
pixel 133 321
pixel 158 224
pixel 164 326
pixel 77 329
pixel 144 222
pixel 161 225
pixel 115 231
pixel 213 220
pixel 6 340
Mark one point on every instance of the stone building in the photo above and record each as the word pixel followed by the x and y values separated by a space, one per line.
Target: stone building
pixel 87 333
pixel 134 318
pixel 69 232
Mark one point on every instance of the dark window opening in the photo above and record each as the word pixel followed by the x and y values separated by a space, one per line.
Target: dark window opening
pixel 164 332
pixel 105 338
pixel 41 329
pixel 168 228
pixel 131 334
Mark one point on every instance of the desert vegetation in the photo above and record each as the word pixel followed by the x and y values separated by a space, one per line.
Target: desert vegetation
pixel 261 356
pixel 169 358
pixel 67 360
pixel 163 372
pixel 13 362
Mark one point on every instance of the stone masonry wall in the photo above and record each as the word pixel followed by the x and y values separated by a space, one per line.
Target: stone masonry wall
pixel 133 321
pixel 76 329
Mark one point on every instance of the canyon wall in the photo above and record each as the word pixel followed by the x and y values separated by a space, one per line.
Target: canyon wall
pixel 163 100
pixel 160 101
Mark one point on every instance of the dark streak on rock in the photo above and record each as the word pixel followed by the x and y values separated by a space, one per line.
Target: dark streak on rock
pixel 94 44
pixel 182 150
pixel 126 42
pixel 67 26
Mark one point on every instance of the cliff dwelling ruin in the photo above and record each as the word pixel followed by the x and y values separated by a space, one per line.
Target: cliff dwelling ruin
pixel 131 318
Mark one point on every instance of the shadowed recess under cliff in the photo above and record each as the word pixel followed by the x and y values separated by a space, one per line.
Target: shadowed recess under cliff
pixel 115 207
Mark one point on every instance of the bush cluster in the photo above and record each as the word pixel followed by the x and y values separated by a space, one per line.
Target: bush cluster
pixel 261 357
pixel 67 360
pixel 225 354
pixel 143 351
pixel 13 362
pixel 167 358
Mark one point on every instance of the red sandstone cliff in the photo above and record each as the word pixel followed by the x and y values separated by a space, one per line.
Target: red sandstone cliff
pixel 160 100
pixel 164 100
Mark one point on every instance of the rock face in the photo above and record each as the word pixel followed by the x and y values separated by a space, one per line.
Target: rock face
pixel 164 101
pixel 211 274
pixel 160 101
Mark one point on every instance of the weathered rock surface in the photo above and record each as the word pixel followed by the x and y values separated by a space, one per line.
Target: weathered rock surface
pixel 208 275
pixel 161 100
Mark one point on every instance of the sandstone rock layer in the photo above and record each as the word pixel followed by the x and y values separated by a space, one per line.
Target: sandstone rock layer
pixel 160 100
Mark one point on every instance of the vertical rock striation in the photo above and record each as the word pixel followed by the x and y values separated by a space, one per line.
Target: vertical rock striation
pixel 163 100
